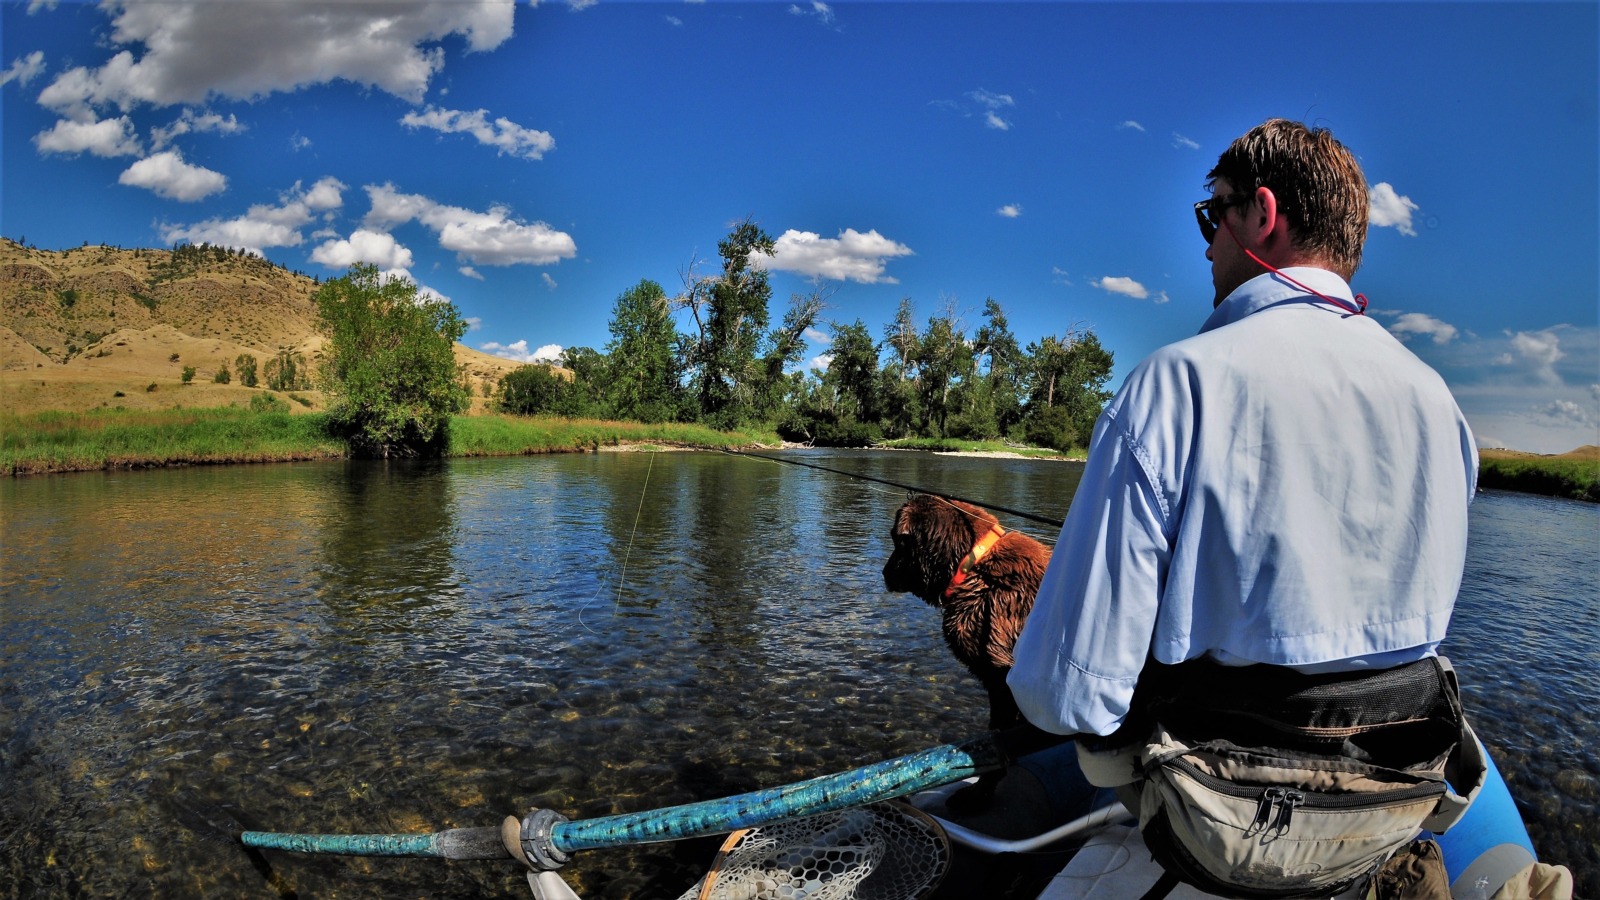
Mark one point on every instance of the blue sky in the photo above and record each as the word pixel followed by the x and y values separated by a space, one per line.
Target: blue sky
pixel 531 163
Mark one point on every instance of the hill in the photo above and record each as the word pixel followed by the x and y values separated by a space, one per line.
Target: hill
pixel 105 326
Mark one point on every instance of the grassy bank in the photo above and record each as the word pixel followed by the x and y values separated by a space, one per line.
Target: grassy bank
pixel 1575 475
pixel 124 438
pixel 120 438
pixel 949 445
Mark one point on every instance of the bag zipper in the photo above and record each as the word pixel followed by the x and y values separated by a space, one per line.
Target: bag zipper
pixel 1285 800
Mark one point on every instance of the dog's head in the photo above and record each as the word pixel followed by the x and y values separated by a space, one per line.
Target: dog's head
pixel 931 536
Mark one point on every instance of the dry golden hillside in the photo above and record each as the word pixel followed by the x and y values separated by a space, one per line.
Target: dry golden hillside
pixel 103 326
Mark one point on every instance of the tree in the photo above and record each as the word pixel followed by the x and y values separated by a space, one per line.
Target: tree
pixel 783 347
pixel 1066 388
pixel 944 361
pixel 188 374
pixel 730 312
pixel 644 371
pixel 535 390
pixel 246 364
pixel 1004 367
pixel 389 364
pixel 223 376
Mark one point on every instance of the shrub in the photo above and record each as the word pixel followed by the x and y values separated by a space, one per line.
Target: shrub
pixel 151 389
pixel 268 403
pixel 223 376
pixel 188 374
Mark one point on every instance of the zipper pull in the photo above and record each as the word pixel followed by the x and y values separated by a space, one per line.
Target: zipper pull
pixel 1291 799
pixel 1269 799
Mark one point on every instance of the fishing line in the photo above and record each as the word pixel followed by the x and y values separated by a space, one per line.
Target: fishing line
pixel 627 554
pixel 1043 520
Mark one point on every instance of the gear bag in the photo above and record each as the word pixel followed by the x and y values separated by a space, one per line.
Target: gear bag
pixel 1258 781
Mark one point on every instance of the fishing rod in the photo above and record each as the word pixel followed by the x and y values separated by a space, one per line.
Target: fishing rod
pixel 1043 520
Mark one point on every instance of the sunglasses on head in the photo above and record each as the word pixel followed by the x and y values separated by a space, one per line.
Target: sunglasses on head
pixel 1208 212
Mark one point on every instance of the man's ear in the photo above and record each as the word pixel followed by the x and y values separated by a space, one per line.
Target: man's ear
pixel 1268 227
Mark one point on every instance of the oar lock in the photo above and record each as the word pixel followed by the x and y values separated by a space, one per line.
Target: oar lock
pixel 531 839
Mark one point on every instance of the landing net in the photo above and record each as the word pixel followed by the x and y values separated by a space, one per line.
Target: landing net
pixel 885 851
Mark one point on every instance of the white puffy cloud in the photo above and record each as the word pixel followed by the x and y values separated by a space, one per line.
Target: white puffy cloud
pixel 1541 350
pixel 1423 325
pixel 1570 412
pixel 852 256
pixel 23 69
pixel 470 272
pixel 821 11
pixel 192 122
pixel 1131 125
pixel 1183 142
pixel 264 225
pixel 490 238
pixel 192 51
pixel 549 282
pixel 503 134
pixel 1010 210
pixel 1389 209
pixel 363 246
pixel 518 350
pixel 991 104
pixel 1127 287
pixel 107 138
pixel 167 175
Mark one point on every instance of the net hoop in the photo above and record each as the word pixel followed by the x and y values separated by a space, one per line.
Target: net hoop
pixel 883 851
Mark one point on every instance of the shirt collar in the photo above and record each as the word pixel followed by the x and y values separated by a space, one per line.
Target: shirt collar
pixel 1267 289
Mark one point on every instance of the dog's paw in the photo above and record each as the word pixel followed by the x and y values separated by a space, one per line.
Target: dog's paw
pixel 972 799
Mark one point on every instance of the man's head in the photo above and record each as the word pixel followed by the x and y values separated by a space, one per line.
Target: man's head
pixel 1296 193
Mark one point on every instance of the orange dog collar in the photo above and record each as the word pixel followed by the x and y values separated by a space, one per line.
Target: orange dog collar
pixel 982 547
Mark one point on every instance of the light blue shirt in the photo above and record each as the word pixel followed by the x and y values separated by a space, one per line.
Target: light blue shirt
pixel 1289 486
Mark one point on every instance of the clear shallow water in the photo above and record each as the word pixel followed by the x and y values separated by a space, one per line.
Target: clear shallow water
pixel 369 647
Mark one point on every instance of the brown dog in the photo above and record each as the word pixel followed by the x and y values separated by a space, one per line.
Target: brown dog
pixel 982 579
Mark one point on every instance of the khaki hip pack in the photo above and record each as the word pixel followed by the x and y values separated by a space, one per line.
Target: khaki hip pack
pixel 1260 782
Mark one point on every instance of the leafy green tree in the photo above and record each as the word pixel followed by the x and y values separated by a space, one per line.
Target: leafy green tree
pixel 287 372
pixel 944 361
pixel 1067 387
pixel 223 376
pixel 188 374
pixel 853 371
pixel 730 313
pixel 389 364
pixel 536 390
pixel 246 364
pixel 644 383
pixel 591 374
pixel 773 385
pixel 1004 367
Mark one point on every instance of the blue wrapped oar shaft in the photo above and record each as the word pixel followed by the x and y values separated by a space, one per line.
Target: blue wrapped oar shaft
pixel 868 784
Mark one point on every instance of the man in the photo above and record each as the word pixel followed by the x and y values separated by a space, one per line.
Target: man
pixel 1289 487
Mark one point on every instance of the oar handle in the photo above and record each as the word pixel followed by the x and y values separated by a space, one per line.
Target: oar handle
pixel 551 837
pixel 457 843
pixel 868 784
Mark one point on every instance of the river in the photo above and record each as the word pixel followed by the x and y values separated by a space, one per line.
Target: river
pixel 408 647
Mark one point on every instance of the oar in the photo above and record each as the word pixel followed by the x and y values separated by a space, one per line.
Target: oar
pixel 545 840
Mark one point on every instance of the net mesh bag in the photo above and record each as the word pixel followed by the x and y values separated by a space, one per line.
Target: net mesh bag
pixel 885 851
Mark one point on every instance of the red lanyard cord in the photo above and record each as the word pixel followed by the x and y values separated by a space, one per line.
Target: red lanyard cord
pixel 1360 309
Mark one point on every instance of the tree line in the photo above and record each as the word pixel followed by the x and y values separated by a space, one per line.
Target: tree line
pixel 389 369
pixel 732 368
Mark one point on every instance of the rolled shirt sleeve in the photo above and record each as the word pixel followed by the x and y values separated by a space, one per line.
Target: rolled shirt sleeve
pixel 1080 654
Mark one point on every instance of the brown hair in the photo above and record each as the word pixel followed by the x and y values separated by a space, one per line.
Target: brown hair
pixel 1317 181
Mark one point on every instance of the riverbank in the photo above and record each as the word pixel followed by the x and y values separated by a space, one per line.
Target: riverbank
pixel 50 442
pixel 1574 475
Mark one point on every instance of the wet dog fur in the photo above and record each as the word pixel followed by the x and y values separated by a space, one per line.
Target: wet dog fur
pixel 982 617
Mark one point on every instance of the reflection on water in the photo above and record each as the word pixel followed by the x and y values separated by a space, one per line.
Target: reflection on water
pixel 412 647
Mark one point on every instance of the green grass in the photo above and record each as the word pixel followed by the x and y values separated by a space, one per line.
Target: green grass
pixel 497 435
pixel 120 438
pixel 950 445
pixel 1556 476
